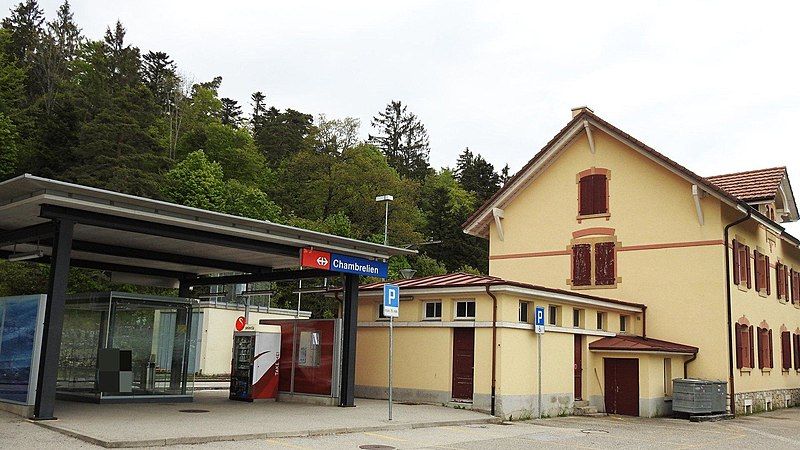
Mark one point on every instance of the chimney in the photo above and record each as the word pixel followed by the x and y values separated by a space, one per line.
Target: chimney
pixel 580 109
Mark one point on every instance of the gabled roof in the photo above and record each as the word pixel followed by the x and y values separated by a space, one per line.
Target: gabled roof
pixel 627 343
pixel 480 282
pixel 478 223
pixel 753 185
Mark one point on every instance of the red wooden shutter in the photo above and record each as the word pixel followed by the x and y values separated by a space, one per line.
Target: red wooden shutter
pixel 586 205
pixel 761 353
pixel 759 270
pixel 797 351
pixel 747 264
pixel 766 275
pixel 779 281
pixel 739 346
pixel 581 265
pixel 751 346
pixel 604 263
pixel 736 264
pixel 769 349
pixel 786 350
pixel 600 194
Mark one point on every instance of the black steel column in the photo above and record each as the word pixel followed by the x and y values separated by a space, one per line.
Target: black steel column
pixel 179 354
pixel 53 321
pixel 350 321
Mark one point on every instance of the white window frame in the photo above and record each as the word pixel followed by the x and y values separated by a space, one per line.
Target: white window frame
pixel 553 319
pixel 380 312
pixel 455 309
pixel 603 316
pixel 527 311
pixel 425 310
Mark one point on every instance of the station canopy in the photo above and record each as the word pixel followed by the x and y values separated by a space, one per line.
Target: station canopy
pixel 155 242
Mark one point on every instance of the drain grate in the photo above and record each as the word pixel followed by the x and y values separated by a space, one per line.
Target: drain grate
pixel 193 411
pixel 592 431
pixel 376 447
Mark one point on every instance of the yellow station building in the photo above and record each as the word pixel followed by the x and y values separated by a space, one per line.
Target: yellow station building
pixel 647 271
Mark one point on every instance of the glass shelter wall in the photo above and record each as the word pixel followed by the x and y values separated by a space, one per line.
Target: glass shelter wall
pixel 119 345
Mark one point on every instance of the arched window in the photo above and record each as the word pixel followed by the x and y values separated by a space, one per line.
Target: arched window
pixel 593 192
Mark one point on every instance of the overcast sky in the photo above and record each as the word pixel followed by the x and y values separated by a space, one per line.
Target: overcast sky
pixel 714 86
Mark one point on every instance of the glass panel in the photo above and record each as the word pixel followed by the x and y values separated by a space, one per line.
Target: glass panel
pixel 18 319
pixel 84 334
pixel 309 350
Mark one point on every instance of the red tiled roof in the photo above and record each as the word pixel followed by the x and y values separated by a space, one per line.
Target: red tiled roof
pixel 639 344
pixel 460 279
pixel 753 185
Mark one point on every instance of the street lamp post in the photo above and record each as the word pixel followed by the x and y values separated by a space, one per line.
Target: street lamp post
pixel 385 199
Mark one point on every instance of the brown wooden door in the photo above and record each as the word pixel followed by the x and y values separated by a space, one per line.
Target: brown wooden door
pixel 463 363
pixel 578 367
pixel 622 386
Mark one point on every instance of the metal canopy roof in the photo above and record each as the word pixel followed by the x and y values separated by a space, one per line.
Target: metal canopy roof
pixel 116 231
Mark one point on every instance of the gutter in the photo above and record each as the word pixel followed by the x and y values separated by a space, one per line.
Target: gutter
pixel 729 307
pixel 494 347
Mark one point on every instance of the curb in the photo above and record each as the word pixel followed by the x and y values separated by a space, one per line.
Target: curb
pixel 255 436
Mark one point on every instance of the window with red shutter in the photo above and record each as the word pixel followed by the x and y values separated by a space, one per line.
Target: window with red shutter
pixel 786 350
pixel 751 346
pixel 737 263
pixel 593 195
pixel 581 264
pixel 604 263
pixel 780 282
pixel 740 350
pixel 762 354
pixel 747 265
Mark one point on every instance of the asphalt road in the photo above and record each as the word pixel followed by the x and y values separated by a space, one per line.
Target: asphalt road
pixel 777 429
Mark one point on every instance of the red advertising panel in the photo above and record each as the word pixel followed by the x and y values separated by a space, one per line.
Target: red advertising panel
pixel 313 342
pixel 315 259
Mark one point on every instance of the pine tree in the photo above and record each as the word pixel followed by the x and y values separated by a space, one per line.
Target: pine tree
pixel 160 76
pixel 476 175
pixel 25 25
pixel 231 113
pixel 258 99
pixel 403 139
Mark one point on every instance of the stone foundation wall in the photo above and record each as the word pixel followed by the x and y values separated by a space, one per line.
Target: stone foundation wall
pixel 760 399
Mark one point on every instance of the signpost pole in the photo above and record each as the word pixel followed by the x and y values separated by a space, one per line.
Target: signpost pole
pixel 539 365
pixel 391 355
pixel 391 309
pixel 539 330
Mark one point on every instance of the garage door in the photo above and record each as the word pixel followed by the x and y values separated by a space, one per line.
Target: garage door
pixel 622 386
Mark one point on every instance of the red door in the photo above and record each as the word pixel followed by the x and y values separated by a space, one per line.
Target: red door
pixel 463 363
pixel 622 386
pixel 578 367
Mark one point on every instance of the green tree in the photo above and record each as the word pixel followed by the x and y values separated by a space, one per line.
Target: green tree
pixel 198 182
pixel 280 134
pixel 231 113
pixel 477 175
pixel 446 205
pixel 403 139
pixel 8 147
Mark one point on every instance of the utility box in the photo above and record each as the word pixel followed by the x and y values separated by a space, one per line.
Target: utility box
pixel 693 396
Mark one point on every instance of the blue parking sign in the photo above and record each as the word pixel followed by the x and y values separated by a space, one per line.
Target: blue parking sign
pixel 539 320
pixel 391 300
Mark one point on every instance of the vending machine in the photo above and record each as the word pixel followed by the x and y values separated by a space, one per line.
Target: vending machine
pixel 254 368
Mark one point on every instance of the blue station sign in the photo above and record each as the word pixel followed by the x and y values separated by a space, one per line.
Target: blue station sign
pixel 344 263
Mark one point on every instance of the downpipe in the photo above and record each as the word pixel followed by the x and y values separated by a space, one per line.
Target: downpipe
pixel 729 308
pixel 494 348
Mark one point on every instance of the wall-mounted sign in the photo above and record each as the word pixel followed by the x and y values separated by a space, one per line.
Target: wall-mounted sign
pixel 317 259
pixel 240 323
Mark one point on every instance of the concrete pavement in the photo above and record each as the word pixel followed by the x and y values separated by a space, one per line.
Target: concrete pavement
pixel 214 418
pixel 776 429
